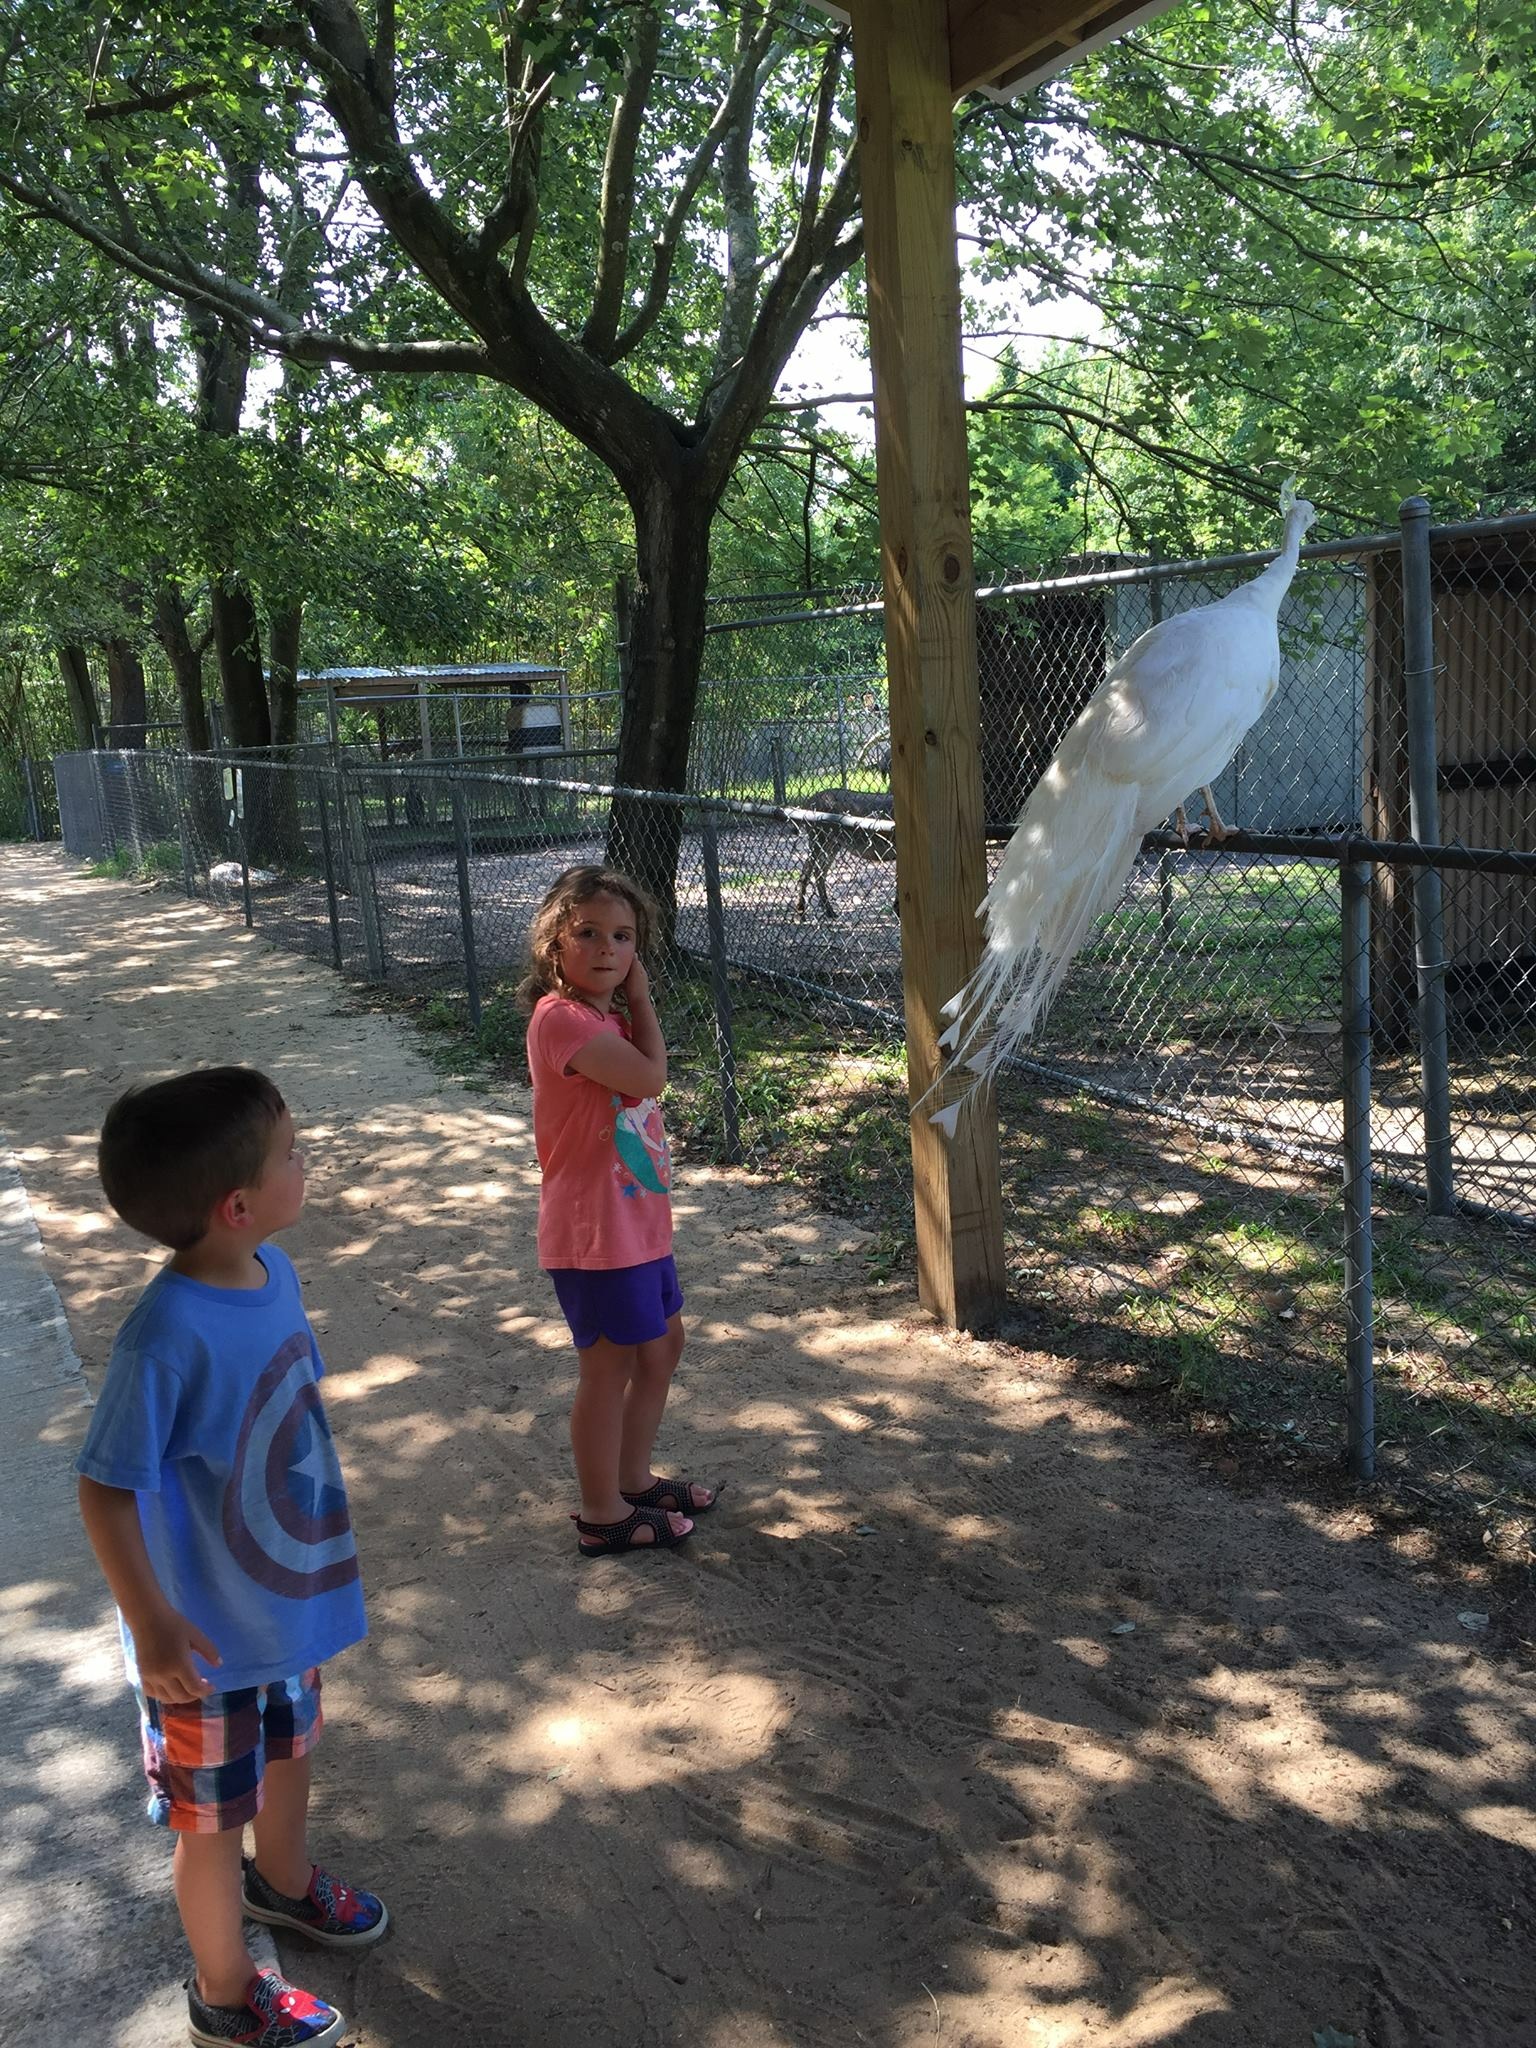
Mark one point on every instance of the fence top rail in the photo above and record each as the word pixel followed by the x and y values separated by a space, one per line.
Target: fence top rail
pixel 323 678
pixel 1153 572
pixel 734 807
pixel 413 700
pixel 1344 849
pixel 1335 848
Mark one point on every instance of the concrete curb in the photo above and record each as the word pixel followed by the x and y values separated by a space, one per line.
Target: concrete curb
pixel 90 1945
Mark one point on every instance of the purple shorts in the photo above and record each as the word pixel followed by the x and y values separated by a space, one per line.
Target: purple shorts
pixel 625 1304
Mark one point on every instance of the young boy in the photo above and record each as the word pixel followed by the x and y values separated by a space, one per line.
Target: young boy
pixel 212 1497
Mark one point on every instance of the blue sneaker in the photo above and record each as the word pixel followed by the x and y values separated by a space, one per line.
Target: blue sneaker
pixel 276 2014
pixel 330 1912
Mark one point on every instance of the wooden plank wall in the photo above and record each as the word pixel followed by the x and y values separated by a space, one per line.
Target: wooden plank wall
pixel 1485 711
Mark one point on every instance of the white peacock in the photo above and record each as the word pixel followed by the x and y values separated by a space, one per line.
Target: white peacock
pixel 1166 719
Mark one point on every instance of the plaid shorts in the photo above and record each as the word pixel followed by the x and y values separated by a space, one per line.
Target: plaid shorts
pixel 204 1760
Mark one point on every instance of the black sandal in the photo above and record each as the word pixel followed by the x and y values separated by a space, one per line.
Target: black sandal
pixel 655 1496
pixel 617 1537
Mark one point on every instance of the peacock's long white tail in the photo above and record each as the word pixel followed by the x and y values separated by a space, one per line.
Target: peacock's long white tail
pixel 1064 865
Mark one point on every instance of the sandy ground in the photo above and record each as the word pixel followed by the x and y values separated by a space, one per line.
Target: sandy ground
pixel 975 1715
pixel 93 1975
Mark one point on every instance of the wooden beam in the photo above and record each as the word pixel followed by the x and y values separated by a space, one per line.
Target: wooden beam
pixel 907 167
pixel 1005 42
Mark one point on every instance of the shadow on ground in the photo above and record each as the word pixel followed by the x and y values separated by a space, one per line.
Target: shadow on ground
pixel 975 1714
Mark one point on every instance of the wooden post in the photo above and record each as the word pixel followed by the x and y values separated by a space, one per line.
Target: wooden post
pixel 907 160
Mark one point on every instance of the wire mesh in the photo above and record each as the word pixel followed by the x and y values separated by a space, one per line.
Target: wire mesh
pixel 1174 1146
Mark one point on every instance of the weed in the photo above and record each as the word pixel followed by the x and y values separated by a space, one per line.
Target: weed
pixel 157 861
pixel 117 866
pixel 477 1056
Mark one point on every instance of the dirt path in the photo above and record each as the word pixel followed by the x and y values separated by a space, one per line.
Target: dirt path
pixel 877 1759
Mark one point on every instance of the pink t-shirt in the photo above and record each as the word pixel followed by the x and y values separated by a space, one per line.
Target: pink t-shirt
pixel 607 1170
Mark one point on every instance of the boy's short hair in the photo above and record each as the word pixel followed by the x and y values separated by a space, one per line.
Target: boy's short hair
pixel 171 1150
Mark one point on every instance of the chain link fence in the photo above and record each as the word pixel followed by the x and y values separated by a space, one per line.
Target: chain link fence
pixel 1275 1148
pixel 787 1044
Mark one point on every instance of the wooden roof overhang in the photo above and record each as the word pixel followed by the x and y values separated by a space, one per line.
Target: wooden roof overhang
pixel 1004 47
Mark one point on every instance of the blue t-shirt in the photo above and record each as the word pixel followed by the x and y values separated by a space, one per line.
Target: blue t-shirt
pixel 211 1414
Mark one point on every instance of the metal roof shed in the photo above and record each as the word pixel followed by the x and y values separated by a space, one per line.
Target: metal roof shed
pixel 379 686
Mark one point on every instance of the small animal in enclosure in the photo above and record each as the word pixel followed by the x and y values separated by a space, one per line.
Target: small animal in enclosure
pixel 1166 719
pixel 826 839
pixel 826 842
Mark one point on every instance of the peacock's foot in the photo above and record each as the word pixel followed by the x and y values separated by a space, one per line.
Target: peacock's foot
pixel 1215 831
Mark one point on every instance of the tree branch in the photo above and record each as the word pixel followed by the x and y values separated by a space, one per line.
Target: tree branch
pixel 1074 418
pixel 826 99
pixel 268 325
pixel 617 206
pixel 151 102
pixel 813 263
pixel 384 40
pixel 742 85
pixel 514 208
pixel 738 196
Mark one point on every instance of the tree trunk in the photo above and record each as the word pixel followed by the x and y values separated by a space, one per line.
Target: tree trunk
pixel 237 641
pixel 276 813
pixel 223 366
pixel 186 665
pixel 662 656
pixel 125 682
pixel 284 638
pixel 80 692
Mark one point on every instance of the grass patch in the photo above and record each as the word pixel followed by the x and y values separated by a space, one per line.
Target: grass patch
pixel 823 1098
pixel 476 1055
pixel 158 860
pixel 1210 952
pixel 1221 1267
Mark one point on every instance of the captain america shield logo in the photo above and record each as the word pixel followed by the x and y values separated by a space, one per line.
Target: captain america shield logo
pixel 285 1513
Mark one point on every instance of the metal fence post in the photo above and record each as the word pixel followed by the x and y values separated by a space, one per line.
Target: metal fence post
pixel 330 869
pixel 1359 1307
pixel 245 848
pixel 466 902
pixel 355 828
pixel 106 831
pixel 725 1036
pixel 1424 815
pixel 1168 920
pixel 34 812
pixel 179 780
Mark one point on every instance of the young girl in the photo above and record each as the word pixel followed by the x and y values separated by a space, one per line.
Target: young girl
pixel 598 1061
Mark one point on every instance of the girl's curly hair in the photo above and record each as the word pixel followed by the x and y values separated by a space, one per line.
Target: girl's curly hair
pixel 567 893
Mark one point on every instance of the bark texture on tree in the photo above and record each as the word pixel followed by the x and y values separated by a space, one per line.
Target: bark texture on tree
pixel 186 665
pixel 129 697
pixel 80 694
pixel 237 641
pixel 223 366
pixel 285 634
pixel 663 652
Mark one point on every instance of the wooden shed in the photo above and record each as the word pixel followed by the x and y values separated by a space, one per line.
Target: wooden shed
pixel 1484 597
